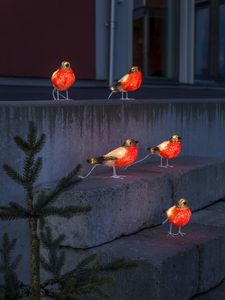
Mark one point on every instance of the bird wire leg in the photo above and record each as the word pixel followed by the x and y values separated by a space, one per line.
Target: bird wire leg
pixel 180 232
pixel 167 164
pixel 161 163
pixel 57 93
pixel 122 98
pixel 53 94
pixel 110 95
pixel 127 98
pixel 171 231
pixel 115 174
pixel 67 95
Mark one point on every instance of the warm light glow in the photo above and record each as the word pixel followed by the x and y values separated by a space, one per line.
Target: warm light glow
pixel 131 81
pixel 179 214
pixel 63 78
pixel 164 145
pixel 170 211
pixel 120 157
pixel 128 83
pixel 167 149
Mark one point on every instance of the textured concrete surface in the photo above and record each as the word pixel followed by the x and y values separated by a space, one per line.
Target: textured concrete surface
pixel 168 267
pixel 213 215
pixel 20 89
pixel 217 293
pixel 124 206
pixel 77 130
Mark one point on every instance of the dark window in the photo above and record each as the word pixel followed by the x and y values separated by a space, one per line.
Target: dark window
pixel 222 40
pixel 202 41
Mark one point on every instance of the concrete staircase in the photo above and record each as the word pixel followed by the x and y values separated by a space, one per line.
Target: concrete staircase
pixel 125 223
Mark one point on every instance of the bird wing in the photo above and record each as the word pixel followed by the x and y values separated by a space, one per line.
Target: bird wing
pixel 124 78
pixel 117 153
pixel 169 211
pixel 163 145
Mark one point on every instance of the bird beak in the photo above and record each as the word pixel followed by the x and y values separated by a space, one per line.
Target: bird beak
pixel 136 142
pixel 179 138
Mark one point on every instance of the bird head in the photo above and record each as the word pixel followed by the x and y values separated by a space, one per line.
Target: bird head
pixel 133 69
pixel 182 203
pixel 175 138
pixel 65 65
pixel 130 142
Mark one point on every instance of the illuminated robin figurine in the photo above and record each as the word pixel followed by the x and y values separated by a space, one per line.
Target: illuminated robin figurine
pixel 62 79
pixel 167 149
pixel 178 215
pixel 128 83
pixel 119 157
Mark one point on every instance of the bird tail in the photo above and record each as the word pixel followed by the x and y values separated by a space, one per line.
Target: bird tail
pixel 153 150
pixel 95 160
pixel 113 89
pixel 100 159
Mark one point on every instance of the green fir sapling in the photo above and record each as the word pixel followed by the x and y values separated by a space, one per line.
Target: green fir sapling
pixel 87 276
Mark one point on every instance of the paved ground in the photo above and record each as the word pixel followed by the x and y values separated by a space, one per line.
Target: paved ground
pixel 17 93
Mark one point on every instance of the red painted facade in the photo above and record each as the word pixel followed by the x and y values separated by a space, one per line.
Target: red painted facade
pixel 37 35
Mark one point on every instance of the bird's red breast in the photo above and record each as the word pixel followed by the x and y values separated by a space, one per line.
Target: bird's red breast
pixel 124 156
pixel 131 81
pixel 169 149
pixel 63 79
pixel 178 216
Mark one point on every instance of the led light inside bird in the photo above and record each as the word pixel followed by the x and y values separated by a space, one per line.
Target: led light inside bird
pixel 178 215
pixel 119 157
pixel 128 83
pixel 62 79
pixel 167 150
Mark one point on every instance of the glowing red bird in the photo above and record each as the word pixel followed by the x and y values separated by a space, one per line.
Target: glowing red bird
pixel 178 215
pixel 62 79
pixel 119 157
pixel 167 149
pixel 128 83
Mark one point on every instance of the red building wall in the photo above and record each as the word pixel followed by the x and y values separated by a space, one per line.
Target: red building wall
pixel 36 35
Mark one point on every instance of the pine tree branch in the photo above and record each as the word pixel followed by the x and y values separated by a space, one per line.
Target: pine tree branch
pixel 67 212
pixel 40 143
pixel 22 144
pixel 59 264
pixel 35 171
pixel 56 260
pixel 120 264
pixel 46 265
pixel 63 185
pixel 13 174
pixel 28 163
pixel 18 207
pixel 32 135
pixel 11 282
pixel 16 262
pixel 9 213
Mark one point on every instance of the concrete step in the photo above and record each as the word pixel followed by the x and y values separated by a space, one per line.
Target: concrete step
pixel 168 267
pixel 122 207
pixel 217 293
